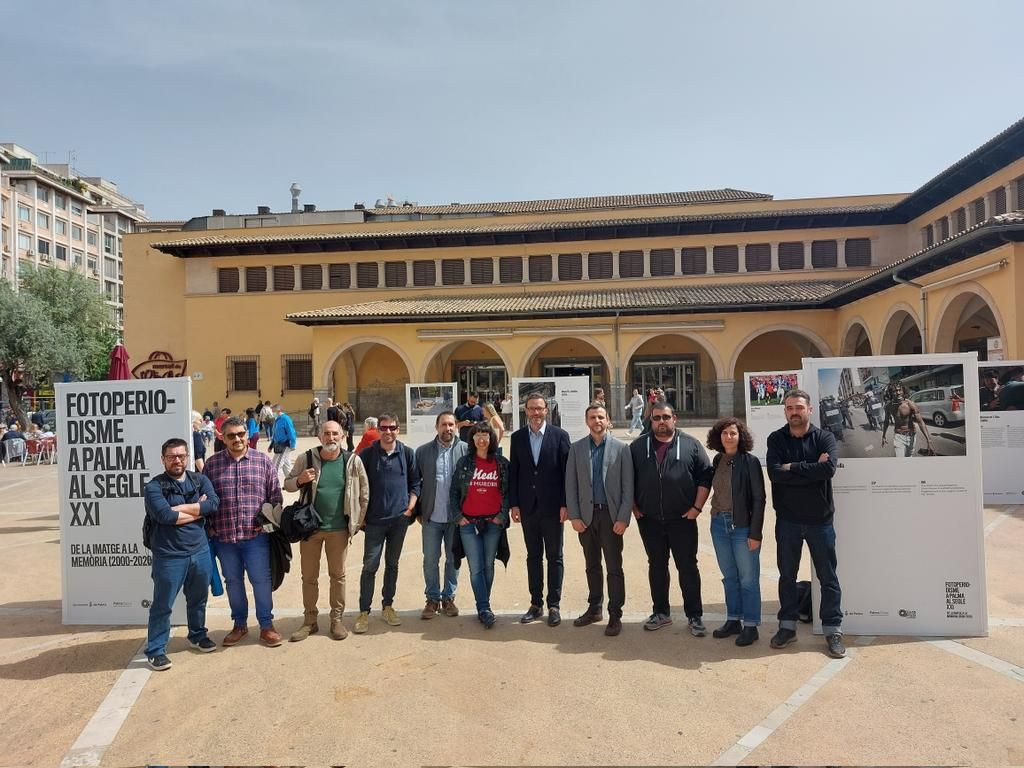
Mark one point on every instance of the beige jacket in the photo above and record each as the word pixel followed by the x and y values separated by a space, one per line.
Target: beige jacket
pixel 357 486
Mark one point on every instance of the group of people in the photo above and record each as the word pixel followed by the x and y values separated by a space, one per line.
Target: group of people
pixel 466 496
pixel 1002 391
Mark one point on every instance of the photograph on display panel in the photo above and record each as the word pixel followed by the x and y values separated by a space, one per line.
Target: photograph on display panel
pixel 1001 387
pixel 770 389
pixel 909 411
pixel 430 400
pixel 546 387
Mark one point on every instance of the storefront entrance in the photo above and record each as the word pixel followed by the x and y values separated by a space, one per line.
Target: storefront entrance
pixel 677 378
pixel 489 381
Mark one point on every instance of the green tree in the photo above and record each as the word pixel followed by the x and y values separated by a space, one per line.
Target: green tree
pixel 58 322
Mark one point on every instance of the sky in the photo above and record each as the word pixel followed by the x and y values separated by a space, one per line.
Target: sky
pixel 193 105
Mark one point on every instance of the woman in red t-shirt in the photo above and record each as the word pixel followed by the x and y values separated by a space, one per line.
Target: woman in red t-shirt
pixel 479 496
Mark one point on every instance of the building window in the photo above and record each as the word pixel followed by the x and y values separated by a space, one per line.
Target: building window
pixel 42 220
pixel 42 193
pixel 60 201
pixel 284 278
pixel 631 263
pixel 858 252
pixel 312 276
pixel 1020 193
pixel 243 373
pixel 92 265
pixel 758 257
pixel 60 252
pixel 297 372
pixel 339 276
pixel 663 262
pixel 24 214
pixel 540 269
pixel 109 244
pixel 599 265
pixel 92 238
pixel 824 254
pixel 999 201
pixel 979 210
pixel 725 258
pixel 453 272
pixel 424 273
pixel 481 271
pixel 367 274
pixel 510 269
pixel 942 227
pixel 961 219
pixel 24 242
pixel 791 255
pixel 570 266
pixel 60 226
pixel 694 261
pixel 927 237
pixel 394 274
pixel 76 209
pixel 43 246
pixel 255 279
pixel 76 257
pixel 227 278
pixel 110 269
pixel 76 232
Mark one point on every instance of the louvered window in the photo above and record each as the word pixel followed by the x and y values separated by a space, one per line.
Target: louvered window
pixel 663 262
pixel 726 258
pixel 961 219
pixel 979 210
pixel 510 269
pixel 824 254
pixel 599 265
pixel 297 372
pixel 942 227
pixel 927 237
pixel 791 255
pixel 340 276
pixel 481 271
pixel 858 252
pixel 312 276
pixel 284 278
pixel 695 261
pixel 631 263
pixel 1020 193
pixel 758 257
pixel 394 274
pixel 424 273
pixel 999 201
pixel 367 274
pixel 453 271
pixel 255 279
pixel 243 373
pixel 570 266
pixel 227 280
pixel 540 269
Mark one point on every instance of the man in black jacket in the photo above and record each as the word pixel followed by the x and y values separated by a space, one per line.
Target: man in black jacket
pixel 801 462
pixel 671 482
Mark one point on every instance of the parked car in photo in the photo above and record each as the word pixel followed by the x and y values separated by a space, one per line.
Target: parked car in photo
pixel 940 405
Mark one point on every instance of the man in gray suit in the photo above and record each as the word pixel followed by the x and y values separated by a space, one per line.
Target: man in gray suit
pixel 599 497
pixel 436 461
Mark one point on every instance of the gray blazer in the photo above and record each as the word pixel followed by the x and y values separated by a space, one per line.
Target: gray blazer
pixel 618 481
pixel 426 460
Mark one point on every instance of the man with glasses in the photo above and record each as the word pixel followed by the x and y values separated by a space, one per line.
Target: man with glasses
pixel 178 504
pixel 671 482
pixel 395 483
pixel 244 480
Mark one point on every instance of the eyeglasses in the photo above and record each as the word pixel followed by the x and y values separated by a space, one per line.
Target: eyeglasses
pixel 236 436
pixel 176 456
pixel 388 428
pixel 481 434
pixel 663 417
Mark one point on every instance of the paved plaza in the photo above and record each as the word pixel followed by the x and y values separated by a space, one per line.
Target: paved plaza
pixel 447 692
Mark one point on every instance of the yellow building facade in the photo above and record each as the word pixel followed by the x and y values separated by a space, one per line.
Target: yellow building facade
pixel 686 291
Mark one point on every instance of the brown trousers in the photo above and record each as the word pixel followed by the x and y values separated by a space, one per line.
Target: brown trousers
pixel 336 545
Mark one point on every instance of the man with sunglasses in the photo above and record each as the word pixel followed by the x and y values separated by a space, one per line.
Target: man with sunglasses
pixel 244 480
pixel 178 502
pixel 671 483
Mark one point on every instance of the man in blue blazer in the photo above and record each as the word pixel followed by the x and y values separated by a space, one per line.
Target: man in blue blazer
pixel 537 500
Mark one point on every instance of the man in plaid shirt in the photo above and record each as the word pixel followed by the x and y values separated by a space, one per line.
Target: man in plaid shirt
pixel 244 479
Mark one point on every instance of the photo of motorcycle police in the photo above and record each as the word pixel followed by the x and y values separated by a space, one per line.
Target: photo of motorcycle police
pixel 910 411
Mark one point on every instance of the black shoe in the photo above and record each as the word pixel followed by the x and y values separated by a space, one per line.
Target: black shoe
pixel 554 617
pixel 746 636
pixel 783 638
pixel 614 627
pixel 590 617
pixel 159 663
pixel 206 645
pixel 533 614
pixel 730 628
pixel 836 649
pixel 487 618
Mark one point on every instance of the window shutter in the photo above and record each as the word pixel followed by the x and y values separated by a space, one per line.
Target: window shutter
pixel 340 276
pixel 424 273
pixel 824 254
pixel 510 269
pixel 791 255
pixel 694 261
pixel 758 257
pixel 599 265
pixel 367 274
pixel 999 201
pixel 663 262
pixel 284 278
pixel 394 274
pixel 726 258
pixel 453 271
pixel 312 276
pixel 227 280
pixel 481 271
pixel 540 269
pixel 570 266
pixel 858 252
pixel 961 219
pixel 631 263
pixel 255 279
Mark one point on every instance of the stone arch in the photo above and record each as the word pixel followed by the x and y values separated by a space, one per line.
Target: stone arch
pixel 896 326
pixel 328 370
pixel 966 301
pixel 703 343
pixel 535 349
pixel 854 338
pixel 791 344
pixel 685 364
pixel 439 349
pixel 821 346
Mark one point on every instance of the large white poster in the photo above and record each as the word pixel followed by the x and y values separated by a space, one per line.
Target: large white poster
pixel 567 396
pixel 111 433
pixel 908 492
pixel 423 402
pixel 1000 390
pixel 765 412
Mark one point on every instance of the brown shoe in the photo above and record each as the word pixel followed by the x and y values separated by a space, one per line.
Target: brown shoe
pixel 450 608
pixel 303 632
pixel 338 631
pixel 232 637
pixel 270 637
pixel 614 627
pixel 429 610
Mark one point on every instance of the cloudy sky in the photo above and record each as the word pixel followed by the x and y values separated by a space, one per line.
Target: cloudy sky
pixel 193 105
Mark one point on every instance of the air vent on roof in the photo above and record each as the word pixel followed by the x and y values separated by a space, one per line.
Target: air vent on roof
pixel 219 212
pixel 308 208
pixel 359 206
pixel 263 210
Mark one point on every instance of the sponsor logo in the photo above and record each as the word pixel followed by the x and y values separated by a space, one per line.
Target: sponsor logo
pixel 878 613
pixel 908 614
pixel 146 603
pixel 159 365
pixel 853 613
pixel 121 604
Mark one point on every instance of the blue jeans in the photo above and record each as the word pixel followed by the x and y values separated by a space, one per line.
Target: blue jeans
pixel 741 569
pixel 386 539
pixel 481 549
pixel 821 540
pixel 170 576
pixel 248 557
pixel 637 421
pixel 433 535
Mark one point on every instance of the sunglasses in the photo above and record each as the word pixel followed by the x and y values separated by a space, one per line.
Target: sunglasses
pixel 236 436
pixel 388 428
pixel 663 417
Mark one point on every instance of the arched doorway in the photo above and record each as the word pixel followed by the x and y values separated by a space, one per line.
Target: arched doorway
pixel 569 356
pixel 901 334
pixel 683 367
pixel 856 342
pixel 774 349
pixel 371 376
pixel 475 366
pixel 966 323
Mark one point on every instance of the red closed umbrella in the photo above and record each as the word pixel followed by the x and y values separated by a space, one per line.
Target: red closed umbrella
pixel 119 370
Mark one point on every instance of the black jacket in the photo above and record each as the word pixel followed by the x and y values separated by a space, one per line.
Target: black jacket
pixel 668 492
pixel 802 494
pixel 748 496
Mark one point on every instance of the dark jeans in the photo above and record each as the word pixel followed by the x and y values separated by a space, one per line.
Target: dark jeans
pixel 171 575
pixel 677 536
pixel 599 539
pixel 821 540
pixel 387 539
pixel 543 536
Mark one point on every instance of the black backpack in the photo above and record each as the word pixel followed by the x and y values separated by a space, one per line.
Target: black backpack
pixel 300 520
pixel 166 488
